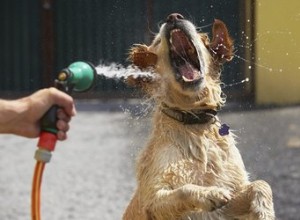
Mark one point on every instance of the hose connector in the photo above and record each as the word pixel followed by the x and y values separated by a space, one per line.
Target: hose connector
pixel 46 145
pixel 47 141
pixel 42 155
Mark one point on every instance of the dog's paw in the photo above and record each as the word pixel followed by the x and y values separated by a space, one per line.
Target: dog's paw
pixel 216 198
pixel 205 198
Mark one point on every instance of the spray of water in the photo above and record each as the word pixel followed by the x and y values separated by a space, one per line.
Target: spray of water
pixel 236 83
pixel 119 72
pixel 256 64
pixel 259 36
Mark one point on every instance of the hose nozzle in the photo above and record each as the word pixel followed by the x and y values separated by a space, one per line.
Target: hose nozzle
pixel 80 75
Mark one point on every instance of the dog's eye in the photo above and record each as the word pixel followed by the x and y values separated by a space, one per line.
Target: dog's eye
pixel 157 42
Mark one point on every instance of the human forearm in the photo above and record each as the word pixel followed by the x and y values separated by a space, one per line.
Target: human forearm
pixel 10 114
pixel 22 116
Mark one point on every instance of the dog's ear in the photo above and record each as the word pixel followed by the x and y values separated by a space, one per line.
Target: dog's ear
pixel 140 56
pixel 221 45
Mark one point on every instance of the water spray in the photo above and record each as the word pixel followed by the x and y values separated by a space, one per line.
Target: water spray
pixel 235 83
pixel 117 71
pixel 78 77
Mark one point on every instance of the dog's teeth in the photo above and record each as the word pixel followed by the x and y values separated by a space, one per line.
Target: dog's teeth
pixel 174 31
pixel 186 79
pixel 196 75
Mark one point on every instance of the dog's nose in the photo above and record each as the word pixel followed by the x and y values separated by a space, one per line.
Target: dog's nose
pixel 174 17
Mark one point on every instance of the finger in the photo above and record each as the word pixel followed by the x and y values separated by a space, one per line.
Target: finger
pixel 61 115
pixel 61 135
pixel 63 100
pixel 62 125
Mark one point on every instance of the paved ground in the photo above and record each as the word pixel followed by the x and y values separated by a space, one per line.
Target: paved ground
pixel 91 175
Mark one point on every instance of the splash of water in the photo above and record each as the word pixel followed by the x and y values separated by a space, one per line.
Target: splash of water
pixel 250 44
pixel 255 64
pixel 119 72
pixel 236 83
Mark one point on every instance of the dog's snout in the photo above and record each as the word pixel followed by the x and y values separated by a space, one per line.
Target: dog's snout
pixel 174 17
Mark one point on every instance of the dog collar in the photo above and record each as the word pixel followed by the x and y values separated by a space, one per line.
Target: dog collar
pixel 193 117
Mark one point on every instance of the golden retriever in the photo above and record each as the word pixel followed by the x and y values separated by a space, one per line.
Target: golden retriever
pixel 190 168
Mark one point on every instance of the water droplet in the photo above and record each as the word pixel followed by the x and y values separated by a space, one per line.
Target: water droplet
pixel 249 67
pixel 280 70
pixel 270 69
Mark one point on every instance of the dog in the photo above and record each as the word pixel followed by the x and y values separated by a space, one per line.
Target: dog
pixel 190 168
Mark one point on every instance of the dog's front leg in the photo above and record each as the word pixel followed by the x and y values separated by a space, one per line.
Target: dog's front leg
pixel 173 204
pixel 253 202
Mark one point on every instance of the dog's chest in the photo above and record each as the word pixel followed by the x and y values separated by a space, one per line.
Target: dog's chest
pixel 187 171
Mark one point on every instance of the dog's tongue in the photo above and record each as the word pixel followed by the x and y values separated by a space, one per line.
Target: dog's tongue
pixel 188 72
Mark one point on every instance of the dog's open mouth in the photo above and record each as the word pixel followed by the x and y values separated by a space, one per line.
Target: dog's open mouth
pixel 184 57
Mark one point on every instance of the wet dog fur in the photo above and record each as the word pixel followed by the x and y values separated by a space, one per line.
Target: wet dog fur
pixel 190 171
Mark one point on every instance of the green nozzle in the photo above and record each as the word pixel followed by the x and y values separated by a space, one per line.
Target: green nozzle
pixel 81 75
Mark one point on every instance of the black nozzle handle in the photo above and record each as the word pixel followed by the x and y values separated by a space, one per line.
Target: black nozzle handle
pixel 48 121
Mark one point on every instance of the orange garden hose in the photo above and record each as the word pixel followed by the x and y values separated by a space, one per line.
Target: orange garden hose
pixel 36 190
pixel 46 145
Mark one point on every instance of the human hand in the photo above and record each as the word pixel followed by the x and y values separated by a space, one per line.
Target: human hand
pixel 24 116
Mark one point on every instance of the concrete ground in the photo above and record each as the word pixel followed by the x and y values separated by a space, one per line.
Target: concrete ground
pixel 91 175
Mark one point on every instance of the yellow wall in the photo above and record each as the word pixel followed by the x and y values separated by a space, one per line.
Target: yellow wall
pixel 277 52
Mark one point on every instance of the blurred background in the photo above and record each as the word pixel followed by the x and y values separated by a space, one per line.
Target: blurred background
pixel 92 176
pixel 39 38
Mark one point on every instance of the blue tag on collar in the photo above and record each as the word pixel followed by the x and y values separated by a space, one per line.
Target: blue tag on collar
pixel 224 130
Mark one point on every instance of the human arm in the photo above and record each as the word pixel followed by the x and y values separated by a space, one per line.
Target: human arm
pixel 22 116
